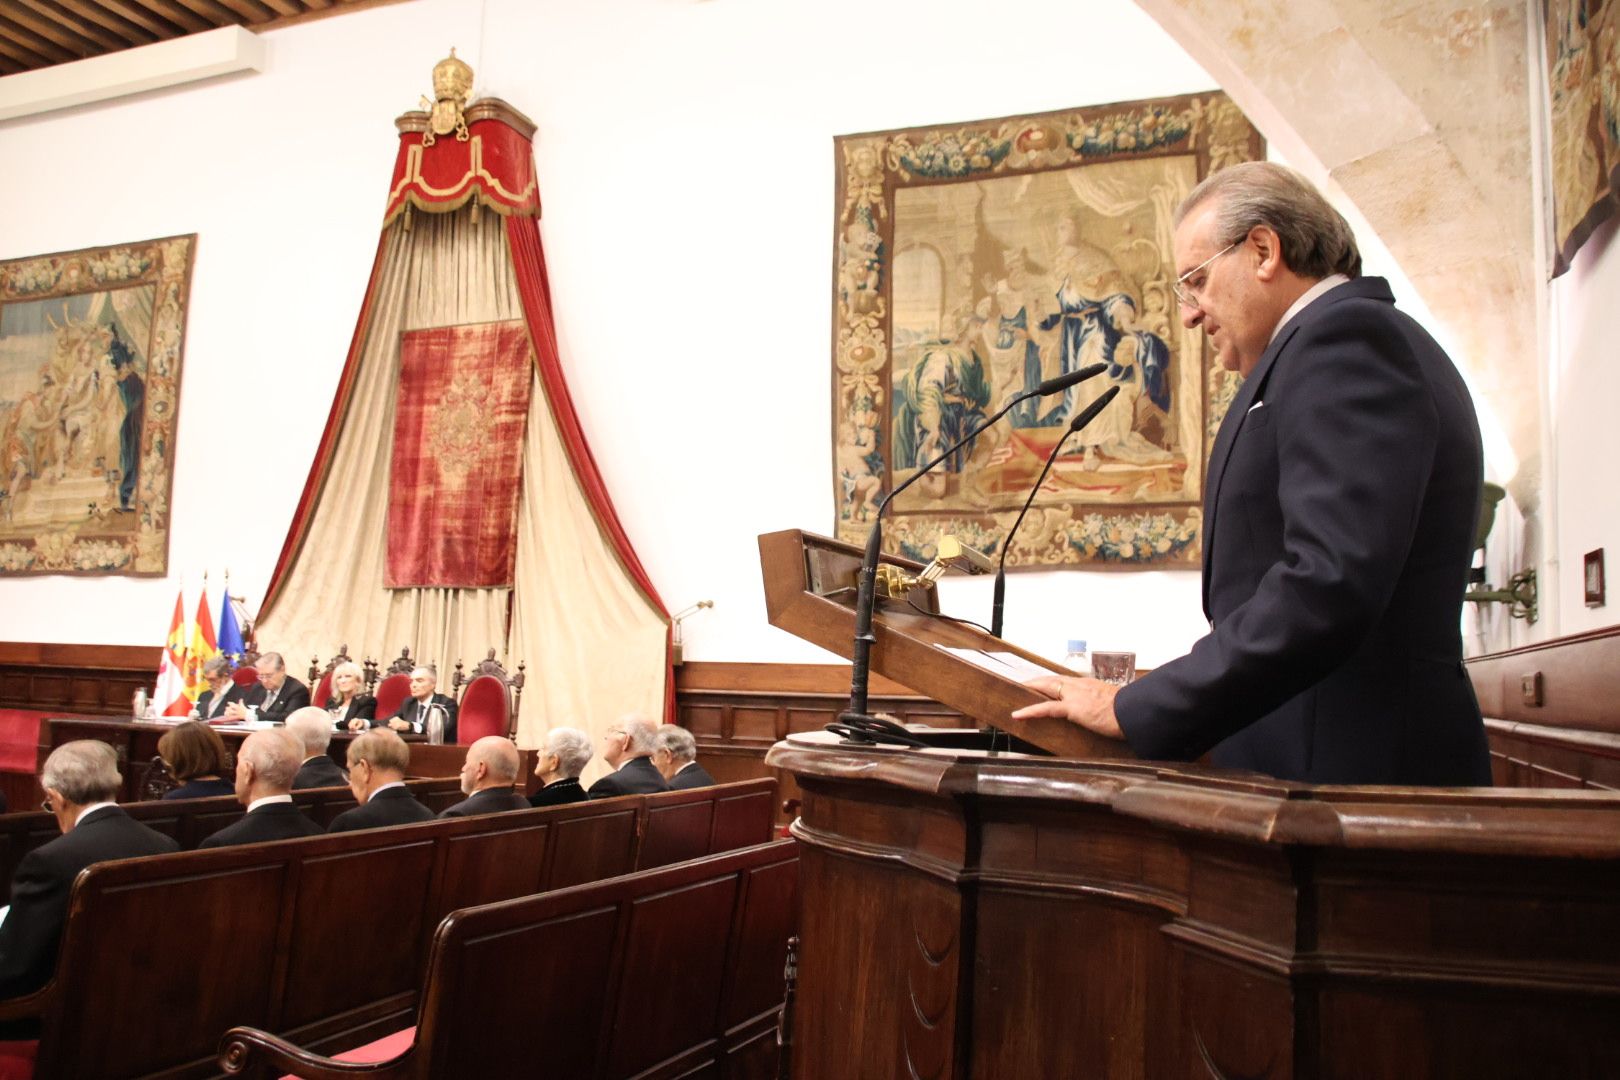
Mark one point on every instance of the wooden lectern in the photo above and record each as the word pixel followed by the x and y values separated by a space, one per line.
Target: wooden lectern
pixel 1000 915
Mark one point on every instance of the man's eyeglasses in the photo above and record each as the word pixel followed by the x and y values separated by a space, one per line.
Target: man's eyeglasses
pixel 1186 294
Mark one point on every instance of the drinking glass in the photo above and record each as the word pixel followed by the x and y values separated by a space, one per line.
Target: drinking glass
pixel 1118 668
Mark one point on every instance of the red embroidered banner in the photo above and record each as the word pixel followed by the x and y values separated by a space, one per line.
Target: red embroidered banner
pixel 458 456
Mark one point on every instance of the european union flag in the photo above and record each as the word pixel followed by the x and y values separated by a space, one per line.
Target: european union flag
pixel 230 633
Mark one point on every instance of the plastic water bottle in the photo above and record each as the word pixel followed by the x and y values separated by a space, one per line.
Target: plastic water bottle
pixel 140 703
pixel 1077 659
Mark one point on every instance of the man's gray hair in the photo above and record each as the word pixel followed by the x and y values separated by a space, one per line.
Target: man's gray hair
pixel 275 659
pixel 312 726
pixel 572 747
pixel 638 734
pixel 426 669
pixel 84 771
pixel 216 666
pixel 678 741
pixel 275 757
pixel 1316 240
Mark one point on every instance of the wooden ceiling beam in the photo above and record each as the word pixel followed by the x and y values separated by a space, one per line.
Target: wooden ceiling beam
pixel 31 41
pixel 30 61
pixel 252 12
pixel 217 14
pixel 283 8
pixel 82 27
pixel 142 18
pixel 77 44
pixel 173 13
pixel 91 11
pixel 8 66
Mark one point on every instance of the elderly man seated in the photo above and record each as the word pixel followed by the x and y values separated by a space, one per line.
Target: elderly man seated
pixel 277 696
pixel 675 758
pixel 80 781
pixel 489 779
pixel 564 756
pixel 265 766
pixel 414 711
pixel 628 747
pixel 377 763
pixel 312 725
pixel 222 689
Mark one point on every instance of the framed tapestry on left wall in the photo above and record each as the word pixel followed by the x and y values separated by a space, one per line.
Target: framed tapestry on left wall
pixel 90 350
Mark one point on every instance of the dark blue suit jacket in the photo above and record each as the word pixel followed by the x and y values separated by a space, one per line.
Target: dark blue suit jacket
pixel 1339 514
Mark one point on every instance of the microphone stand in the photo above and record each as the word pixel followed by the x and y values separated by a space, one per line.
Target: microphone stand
pixel 855 723
pixel 1086 416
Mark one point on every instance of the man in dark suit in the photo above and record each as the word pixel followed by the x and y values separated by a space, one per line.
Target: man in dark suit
pixel 80 781
pixel 628 747
pixel 377 763
pixel 413 713
pixel 675 758
pixel 313 728
pixel 489 779
pixel 265 766
pixel 558 765
pixel 1341 501
pixel 222 689
pixel 277 696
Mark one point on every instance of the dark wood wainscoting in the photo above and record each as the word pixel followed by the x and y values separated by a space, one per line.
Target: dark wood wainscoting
pixel 1553 711
pixel 93 679
pixel 736 711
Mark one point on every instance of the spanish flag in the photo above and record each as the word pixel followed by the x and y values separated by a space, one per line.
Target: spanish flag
pixel 203 649
pixel 171 697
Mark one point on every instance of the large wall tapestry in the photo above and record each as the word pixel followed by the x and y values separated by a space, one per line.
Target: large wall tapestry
pixel 976 260
pixel 90 349
pixel 457 465
pixel 1583 75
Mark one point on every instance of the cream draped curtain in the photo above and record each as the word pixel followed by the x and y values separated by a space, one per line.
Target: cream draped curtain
pixel 594 648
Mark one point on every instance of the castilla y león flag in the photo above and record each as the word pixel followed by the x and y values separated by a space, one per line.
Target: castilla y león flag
pixel 171 697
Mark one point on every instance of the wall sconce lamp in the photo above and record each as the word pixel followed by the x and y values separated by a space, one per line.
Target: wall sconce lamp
pixel 1520 594
pixel 679 617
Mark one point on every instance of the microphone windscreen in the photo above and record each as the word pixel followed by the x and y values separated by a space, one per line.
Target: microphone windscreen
pixel 1062 382
pixel 1090 412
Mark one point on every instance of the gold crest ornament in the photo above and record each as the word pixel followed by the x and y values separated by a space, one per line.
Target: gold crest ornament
pixel 452 85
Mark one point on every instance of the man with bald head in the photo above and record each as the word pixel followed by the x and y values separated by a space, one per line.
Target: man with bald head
pixel 312 726
pixel 265 767
pixel 489 779
pixel 377 763
pixel 628 747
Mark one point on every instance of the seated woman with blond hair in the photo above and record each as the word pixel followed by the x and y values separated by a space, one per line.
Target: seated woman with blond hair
pixel 196 756
pixel 349 701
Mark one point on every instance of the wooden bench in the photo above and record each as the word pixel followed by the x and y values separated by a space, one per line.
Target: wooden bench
pixel 674 972
pixel 323 939
pixel 191 821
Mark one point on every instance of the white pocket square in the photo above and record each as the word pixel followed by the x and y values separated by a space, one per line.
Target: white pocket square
pixel 1257 405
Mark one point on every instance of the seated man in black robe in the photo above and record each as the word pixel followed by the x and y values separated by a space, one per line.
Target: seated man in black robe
pixel 675 758
pixel 489 779
pixel 628 747
pixel 313 727
pixel 377 763
pixel 265 766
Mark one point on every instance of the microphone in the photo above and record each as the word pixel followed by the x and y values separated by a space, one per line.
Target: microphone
pixel 1084 417
pixel 854 723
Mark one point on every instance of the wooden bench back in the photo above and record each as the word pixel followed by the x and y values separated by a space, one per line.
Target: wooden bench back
pixel 670 972
pixel 323 938
pixel 191 821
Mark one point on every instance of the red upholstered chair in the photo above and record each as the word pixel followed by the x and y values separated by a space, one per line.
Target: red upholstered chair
pixel 322 692
pixel 391 694
pixel 485 710
pixel 17 1059
pixel 246 675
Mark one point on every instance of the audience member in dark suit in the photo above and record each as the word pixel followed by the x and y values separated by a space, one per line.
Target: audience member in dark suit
pixel 413 713
pixel 313 729
pixel 349 701
pixel 489 779
pixel 264 773
pixel 1342 496
pixel 558 765
pixel 377 763
pixel 196 756
pixel 80 781
pixel 277 696
pixel 628 747
pixel 222 690
pixel 675 758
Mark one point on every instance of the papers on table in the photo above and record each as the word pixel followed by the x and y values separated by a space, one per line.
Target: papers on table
pixel 1008 665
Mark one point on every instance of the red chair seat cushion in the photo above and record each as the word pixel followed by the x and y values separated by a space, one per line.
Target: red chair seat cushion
pixel 483 710
pixel 17 1059
pixel 19 739
pixel 385 1048
pixel 391 694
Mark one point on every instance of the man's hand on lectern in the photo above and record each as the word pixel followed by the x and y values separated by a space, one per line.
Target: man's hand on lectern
pixel 1087 702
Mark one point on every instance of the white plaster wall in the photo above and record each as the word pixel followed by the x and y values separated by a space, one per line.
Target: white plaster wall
pixel 1586 435
pixel 686 167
